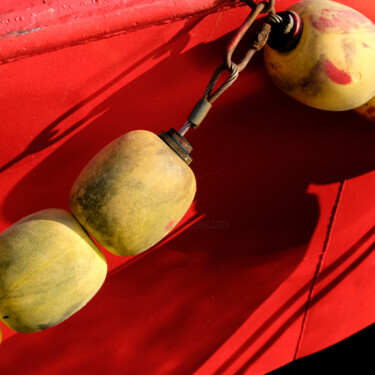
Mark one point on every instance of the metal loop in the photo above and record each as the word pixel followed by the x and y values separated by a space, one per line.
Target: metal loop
pixel 258 40
pixel 237 37
pixel 268 5
pixel 212 96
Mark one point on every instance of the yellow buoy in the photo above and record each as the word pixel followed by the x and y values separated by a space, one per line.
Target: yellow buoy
pixel 49 269
pixel 134 191
pixel 331 67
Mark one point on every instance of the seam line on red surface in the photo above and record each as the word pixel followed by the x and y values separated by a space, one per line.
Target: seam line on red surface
pixel 319 265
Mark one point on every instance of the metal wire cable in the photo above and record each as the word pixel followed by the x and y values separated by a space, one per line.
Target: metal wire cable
pixel 212 96
pixel 185 128
pixel 257 42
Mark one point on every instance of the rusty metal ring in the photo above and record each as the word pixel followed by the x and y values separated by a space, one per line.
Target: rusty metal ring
pixel 268 5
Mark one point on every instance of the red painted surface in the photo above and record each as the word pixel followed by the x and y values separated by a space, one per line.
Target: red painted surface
pixel 342 289
pixel 335 74
pixel 273 261
pixel 38 26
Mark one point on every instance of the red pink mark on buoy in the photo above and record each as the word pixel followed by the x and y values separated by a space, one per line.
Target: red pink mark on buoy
pixel 335 74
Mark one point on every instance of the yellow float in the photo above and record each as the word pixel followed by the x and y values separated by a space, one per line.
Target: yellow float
pixel 134 191
pixel 49 269
pixel 331 67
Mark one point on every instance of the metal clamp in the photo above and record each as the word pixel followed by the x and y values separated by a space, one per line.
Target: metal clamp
pixel 262 7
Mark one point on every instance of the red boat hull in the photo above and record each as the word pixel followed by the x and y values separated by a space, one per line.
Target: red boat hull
pixel 274 260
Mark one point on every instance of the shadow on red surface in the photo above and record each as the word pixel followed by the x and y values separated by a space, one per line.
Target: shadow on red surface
pixel 177 305
pixel 52 134
pixel 302 309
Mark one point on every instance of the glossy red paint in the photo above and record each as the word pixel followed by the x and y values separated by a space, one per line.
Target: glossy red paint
pixel 33 27
pixel 274 259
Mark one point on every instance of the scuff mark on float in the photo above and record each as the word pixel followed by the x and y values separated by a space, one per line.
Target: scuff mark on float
pixel 169 226
pixel 335 74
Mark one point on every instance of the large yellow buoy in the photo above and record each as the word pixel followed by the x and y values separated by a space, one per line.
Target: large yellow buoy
pixel 331 65
pixel 49 269
pixel 134 191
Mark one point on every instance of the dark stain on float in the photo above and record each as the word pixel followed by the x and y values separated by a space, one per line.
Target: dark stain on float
pixel 335 74
pixel 42 327
pixel 312 83
pixel 370 110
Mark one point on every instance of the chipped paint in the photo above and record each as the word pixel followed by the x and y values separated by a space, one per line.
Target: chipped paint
pixel 19 33
pixel 52 17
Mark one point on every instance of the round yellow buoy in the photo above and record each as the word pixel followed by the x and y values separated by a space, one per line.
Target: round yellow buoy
pixel 134 191
pixel 49 269
pixel 331 66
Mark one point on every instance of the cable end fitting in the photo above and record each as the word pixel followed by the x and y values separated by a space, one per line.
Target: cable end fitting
pixel 178 144
pixel 199 112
